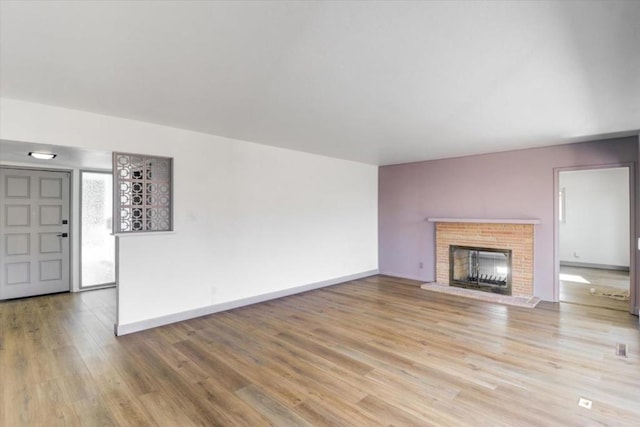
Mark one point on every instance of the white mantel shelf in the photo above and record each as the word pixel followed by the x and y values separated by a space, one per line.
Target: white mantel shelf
pixel 488 220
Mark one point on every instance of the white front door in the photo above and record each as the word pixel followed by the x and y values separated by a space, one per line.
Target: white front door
pixel 34 229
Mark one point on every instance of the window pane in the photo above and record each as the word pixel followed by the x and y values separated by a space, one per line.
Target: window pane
pixel 562 205
pixel 97 244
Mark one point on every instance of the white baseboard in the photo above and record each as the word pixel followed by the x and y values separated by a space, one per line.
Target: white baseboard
pixel 592 265
pixel 128 328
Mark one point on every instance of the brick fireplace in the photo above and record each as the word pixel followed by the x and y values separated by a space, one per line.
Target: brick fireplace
pixel 508 234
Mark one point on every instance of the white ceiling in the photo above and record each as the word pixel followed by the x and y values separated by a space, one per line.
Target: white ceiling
pixel 375 82
pixel 17 153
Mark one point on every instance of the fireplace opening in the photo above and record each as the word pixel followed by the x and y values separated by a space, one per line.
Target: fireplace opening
pixel 484 269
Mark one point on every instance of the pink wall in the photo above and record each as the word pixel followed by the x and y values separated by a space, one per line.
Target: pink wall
pixel 514 184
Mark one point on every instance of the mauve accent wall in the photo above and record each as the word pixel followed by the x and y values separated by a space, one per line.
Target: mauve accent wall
pixel 514 184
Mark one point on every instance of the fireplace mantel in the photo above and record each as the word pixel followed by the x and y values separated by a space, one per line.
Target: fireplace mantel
pixel 488 220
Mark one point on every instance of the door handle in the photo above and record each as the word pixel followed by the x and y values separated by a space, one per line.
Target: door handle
pixel 63 235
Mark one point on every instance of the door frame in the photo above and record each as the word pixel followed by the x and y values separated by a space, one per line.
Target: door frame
pixel 632 226
pixel 71 216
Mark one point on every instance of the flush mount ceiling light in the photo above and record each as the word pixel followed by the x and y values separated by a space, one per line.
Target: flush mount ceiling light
pixel 42 156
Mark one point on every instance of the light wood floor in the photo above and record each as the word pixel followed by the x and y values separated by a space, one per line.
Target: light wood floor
pixel 378 351
pixel 579 293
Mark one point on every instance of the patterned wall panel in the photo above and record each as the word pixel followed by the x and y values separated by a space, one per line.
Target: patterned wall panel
pixel 142 198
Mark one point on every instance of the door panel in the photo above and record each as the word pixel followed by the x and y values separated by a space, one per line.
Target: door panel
pixel 18 216
pixel 35 255
pixel 18 244
pixel 50 188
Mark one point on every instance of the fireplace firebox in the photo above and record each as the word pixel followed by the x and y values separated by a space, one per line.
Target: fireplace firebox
pixel 483 269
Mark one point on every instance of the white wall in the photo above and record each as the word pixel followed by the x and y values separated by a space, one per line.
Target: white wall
pixel 250 220
pixel 596 230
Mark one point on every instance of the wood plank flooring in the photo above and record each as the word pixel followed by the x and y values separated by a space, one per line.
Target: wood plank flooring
pixel 576 289
pixel 376 351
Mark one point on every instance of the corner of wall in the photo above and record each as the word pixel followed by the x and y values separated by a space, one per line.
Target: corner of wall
pixel 124 329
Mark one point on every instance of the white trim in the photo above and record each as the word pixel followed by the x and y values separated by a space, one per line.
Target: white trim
pixel 488 220
pixel 633 285
pixel 81 288
pixel 596 266
pixel 128 328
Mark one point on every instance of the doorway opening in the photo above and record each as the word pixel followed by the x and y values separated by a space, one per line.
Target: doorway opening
pixel 87 263
pixel 594 230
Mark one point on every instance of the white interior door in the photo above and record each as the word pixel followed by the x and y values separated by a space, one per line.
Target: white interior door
pixel 35 232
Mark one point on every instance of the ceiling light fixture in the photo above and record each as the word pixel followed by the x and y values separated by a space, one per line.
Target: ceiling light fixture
pixel 42 156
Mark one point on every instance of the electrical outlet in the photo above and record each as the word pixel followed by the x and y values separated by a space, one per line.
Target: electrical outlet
pixel 421 264
pixel 575 255
pixel 585 403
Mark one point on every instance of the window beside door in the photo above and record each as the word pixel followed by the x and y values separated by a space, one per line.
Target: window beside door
pixel 97 244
